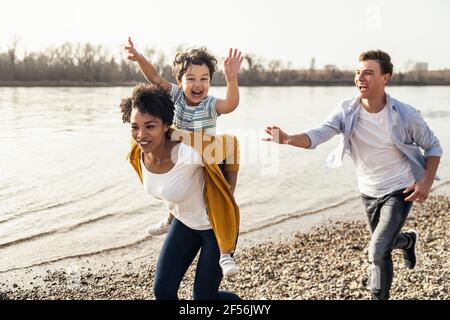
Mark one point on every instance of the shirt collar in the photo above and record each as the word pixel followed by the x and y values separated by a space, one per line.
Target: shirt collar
pixel 357 100
pixel 390 102
pixel 353 104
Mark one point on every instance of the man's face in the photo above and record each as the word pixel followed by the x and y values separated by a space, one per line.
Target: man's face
pixel 369 81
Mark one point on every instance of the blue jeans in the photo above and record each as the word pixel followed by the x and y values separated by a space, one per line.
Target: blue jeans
pixel 179 250
pixel 386 216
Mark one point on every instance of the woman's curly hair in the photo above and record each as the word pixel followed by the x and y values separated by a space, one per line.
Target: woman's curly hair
pixel 197 56
pixel 147 98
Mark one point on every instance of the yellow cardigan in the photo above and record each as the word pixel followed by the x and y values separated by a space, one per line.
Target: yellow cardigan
pixel 222 209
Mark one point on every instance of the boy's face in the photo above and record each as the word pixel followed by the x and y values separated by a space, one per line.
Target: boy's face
pixel 195 83
pixel 369 80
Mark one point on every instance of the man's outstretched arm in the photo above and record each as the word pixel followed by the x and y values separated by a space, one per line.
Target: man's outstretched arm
pixel 277 135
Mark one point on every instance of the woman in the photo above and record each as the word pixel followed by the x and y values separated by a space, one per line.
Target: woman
pixel 193 188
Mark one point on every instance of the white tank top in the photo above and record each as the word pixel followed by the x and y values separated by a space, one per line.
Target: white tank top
pixel 181 188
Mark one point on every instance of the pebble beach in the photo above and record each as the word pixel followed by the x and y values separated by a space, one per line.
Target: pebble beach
pixel 328 262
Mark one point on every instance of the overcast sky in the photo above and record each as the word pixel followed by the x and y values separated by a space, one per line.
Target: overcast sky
pixel 334 32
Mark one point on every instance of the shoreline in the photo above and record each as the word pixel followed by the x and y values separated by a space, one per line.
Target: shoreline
pixel 280 261
pixel 51 84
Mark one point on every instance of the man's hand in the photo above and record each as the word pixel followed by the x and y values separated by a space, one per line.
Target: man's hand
pixel 232 64
pixel 420 190
pixel 277 135
pixel 133 54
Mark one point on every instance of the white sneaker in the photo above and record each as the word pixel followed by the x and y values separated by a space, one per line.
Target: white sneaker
pixel 159 228
pixel 228 265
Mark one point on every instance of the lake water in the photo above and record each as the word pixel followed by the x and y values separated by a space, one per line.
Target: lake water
pixel 66 188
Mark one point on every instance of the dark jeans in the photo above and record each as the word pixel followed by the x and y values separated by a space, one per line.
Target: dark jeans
pixel 179 250
pixel 386 216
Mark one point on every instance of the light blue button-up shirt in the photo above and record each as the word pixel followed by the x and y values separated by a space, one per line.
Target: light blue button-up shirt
pixel 408 130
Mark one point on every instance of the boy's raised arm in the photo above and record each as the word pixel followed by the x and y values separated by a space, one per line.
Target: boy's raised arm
pixel 147 69
pixel 231 65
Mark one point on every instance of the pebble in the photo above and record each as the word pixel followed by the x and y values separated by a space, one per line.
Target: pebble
pixel 328 263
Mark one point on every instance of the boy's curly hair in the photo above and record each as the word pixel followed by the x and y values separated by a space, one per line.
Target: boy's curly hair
pixel 148 98
pixel 197 56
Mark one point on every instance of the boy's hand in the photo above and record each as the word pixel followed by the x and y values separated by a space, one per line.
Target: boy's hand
pixel 232 64
pixel 133 54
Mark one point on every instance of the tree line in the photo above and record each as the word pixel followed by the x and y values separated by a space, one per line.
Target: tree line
pixel 89 64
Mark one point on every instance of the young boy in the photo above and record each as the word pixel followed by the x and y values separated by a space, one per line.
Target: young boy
pixel 194 109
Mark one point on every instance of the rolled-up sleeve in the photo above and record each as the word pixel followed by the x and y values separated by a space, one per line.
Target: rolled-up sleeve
pixel 218 149
pixel 423 136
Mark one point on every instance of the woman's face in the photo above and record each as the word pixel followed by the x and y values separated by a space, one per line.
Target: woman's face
pixel 148 131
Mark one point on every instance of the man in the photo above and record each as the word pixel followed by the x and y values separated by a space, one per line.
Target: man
pixel 383 136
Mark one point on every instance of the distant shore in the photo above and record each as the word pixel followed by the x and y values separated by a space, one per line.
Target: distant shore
pixel 125 84
pixel 326 262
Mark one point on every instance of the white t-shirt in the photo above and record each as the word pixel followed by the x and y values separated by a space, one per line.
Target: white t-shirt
pixel 181 188
pixel 380 167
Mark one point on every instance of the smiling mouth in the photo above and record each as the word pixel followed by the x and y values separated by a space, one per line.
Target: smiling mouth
pixel 197 93
pixel 362 88
pixel 143 143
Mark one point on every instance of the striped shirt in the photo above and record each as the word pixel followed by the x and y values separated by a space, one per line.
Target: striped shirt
pixel 194 118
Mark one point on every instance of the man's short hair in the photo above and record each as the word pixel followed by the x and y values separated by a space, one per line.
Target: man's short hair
pixel 381 57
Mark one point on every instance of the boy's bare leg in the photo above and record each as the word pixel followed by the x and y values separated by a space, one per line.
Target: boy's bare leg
pixel 231 178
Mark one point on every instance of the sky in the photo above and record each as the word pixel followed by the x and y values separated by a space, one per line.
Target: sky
pixel 295 31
